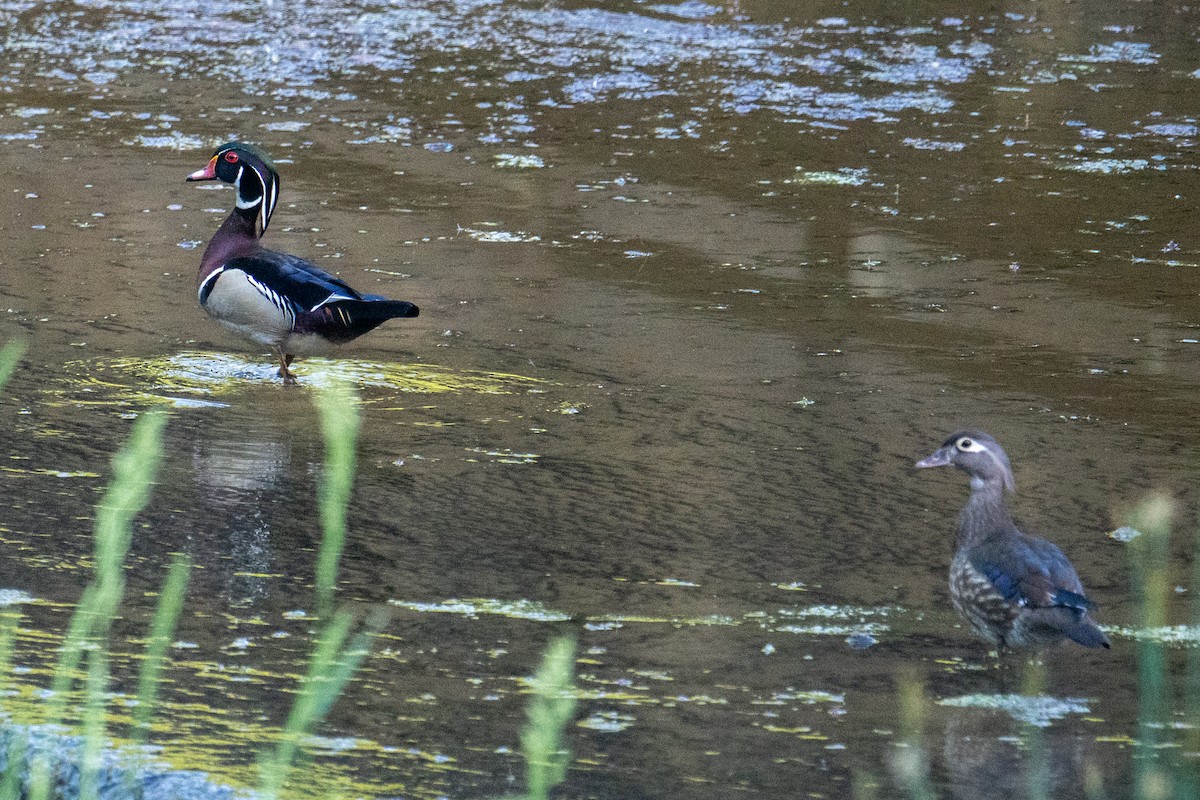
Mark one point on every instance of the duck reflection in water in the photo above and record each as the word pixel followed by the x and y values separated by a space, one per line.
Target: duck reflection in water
pixel 238 479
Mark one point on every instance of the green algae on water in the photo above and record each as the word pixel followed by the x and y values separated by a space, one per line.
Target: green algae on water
pixel 196 378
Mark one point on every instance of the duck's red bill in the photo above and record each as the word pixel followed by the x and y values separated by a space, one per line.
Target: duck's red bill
pixel 207 174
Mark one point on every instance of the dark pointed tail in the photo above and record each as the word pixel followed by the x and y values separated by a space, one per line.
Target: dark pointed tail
pixel 378 307
pixel 345 320
pixel 1087 633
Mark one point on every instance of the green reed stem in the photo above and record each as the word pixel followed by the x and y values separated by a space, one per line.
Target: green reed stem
pixel 1192 681
pixel 10 784
pixel 329 670
pixel 134 469
pixel 1188 778
pixel 338 408
pixel 911 760
pixel 10 357
pixel 18 745
pixel 10 623
pixel 864 786
pixel 94 723
pixel 550 710
pixel 333 662
pixel 1150 553
pixel 1033 738
pixel 162 629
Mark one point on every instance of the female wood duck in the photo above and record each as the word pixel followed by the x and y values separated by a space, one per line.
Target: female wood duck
pixel 272 298
pixel 1016 590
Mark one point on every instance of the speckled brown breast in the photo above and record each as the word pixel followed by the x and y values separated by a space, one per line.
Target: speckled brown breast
pixel 980 604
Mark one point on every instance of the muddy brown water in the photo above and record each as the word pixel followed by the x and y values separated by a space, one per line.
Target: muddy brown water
pixel 698 284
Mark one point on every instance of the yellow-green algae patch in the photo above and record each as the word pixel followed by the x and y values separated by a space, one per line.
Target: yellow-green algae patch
pixel 803 732
pixel 53 473
pixel 199 379
pixel 200 737
pixel 220 741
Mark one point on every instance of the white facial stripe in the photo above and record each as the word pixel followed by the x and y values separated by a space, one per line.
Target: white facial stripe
pixel 270 194
pixel 969 445
pixel 237 184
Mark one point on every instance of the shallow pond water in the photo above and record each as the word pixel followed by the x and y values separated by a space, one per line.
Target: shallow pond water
pixel 699 283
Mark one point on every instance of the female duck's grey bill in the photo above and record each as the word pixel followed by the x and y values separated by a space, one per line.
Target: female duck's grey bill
pixel 941 458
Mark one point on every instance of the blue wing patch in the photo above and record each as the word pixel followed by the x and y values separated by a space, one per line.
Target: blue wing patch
pixel 1008 587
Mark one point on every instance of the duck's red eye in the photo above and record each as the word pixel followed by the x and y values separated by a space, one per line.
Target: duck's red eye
pixel 231 157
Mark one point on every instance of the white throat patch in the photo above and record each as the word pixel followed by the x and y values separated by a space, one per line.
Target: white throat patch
pixel 237 185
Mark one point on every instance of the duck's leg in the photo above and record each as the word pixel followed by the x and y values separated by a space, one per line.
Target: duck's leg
pixel 1005 668
pixel 285 361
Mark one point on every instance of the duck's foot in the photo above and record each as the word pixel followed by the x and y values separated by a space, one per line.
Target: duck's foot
pixel 289 377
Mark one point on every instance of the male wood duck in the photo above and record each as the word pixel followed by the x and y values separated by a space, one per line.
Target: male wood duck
pixel 1016 591
pixel 272 298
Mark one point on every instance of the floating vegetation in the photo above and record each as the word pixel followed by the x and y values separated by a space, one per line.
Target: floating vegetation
pixel 847 621
pixel 861 640
pixel 473 608
pixel 819 629
pixel 1173 130
pixel 506 237
pixel 846 176
pixel 194 379
pixel 524 161
pixel 168 141
pixel 918 143
pixel 689 9
pixel 1185 635
pixel 50 473
pixel 12 597
pixel 570 409
pixel 607 722
pixel 503 455
pixel 805 697
pixel 1125 534
pixel 1107 166
pixel 1036 710
pixel 1116 53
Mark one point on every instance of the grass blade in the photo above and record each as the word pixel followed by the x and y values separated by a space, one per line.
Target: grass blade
pixel 94 723
pixel 329 670
pixel 162 628
pixel 911 760
pixel 10 357
pixel 550 710
pixel 1150 553
pixel 338 408
pixel 134 469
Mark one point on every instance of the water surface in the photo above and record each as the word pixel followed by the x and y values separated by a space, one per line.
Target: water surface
pixel 699 282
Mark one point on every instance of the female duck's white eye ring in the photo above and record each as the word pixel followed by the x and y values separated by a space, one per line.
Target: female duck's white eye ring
pixel 969 445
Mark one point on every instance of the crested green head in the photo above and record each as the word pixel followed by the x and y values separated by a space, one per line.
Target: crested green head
pixel 251 172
